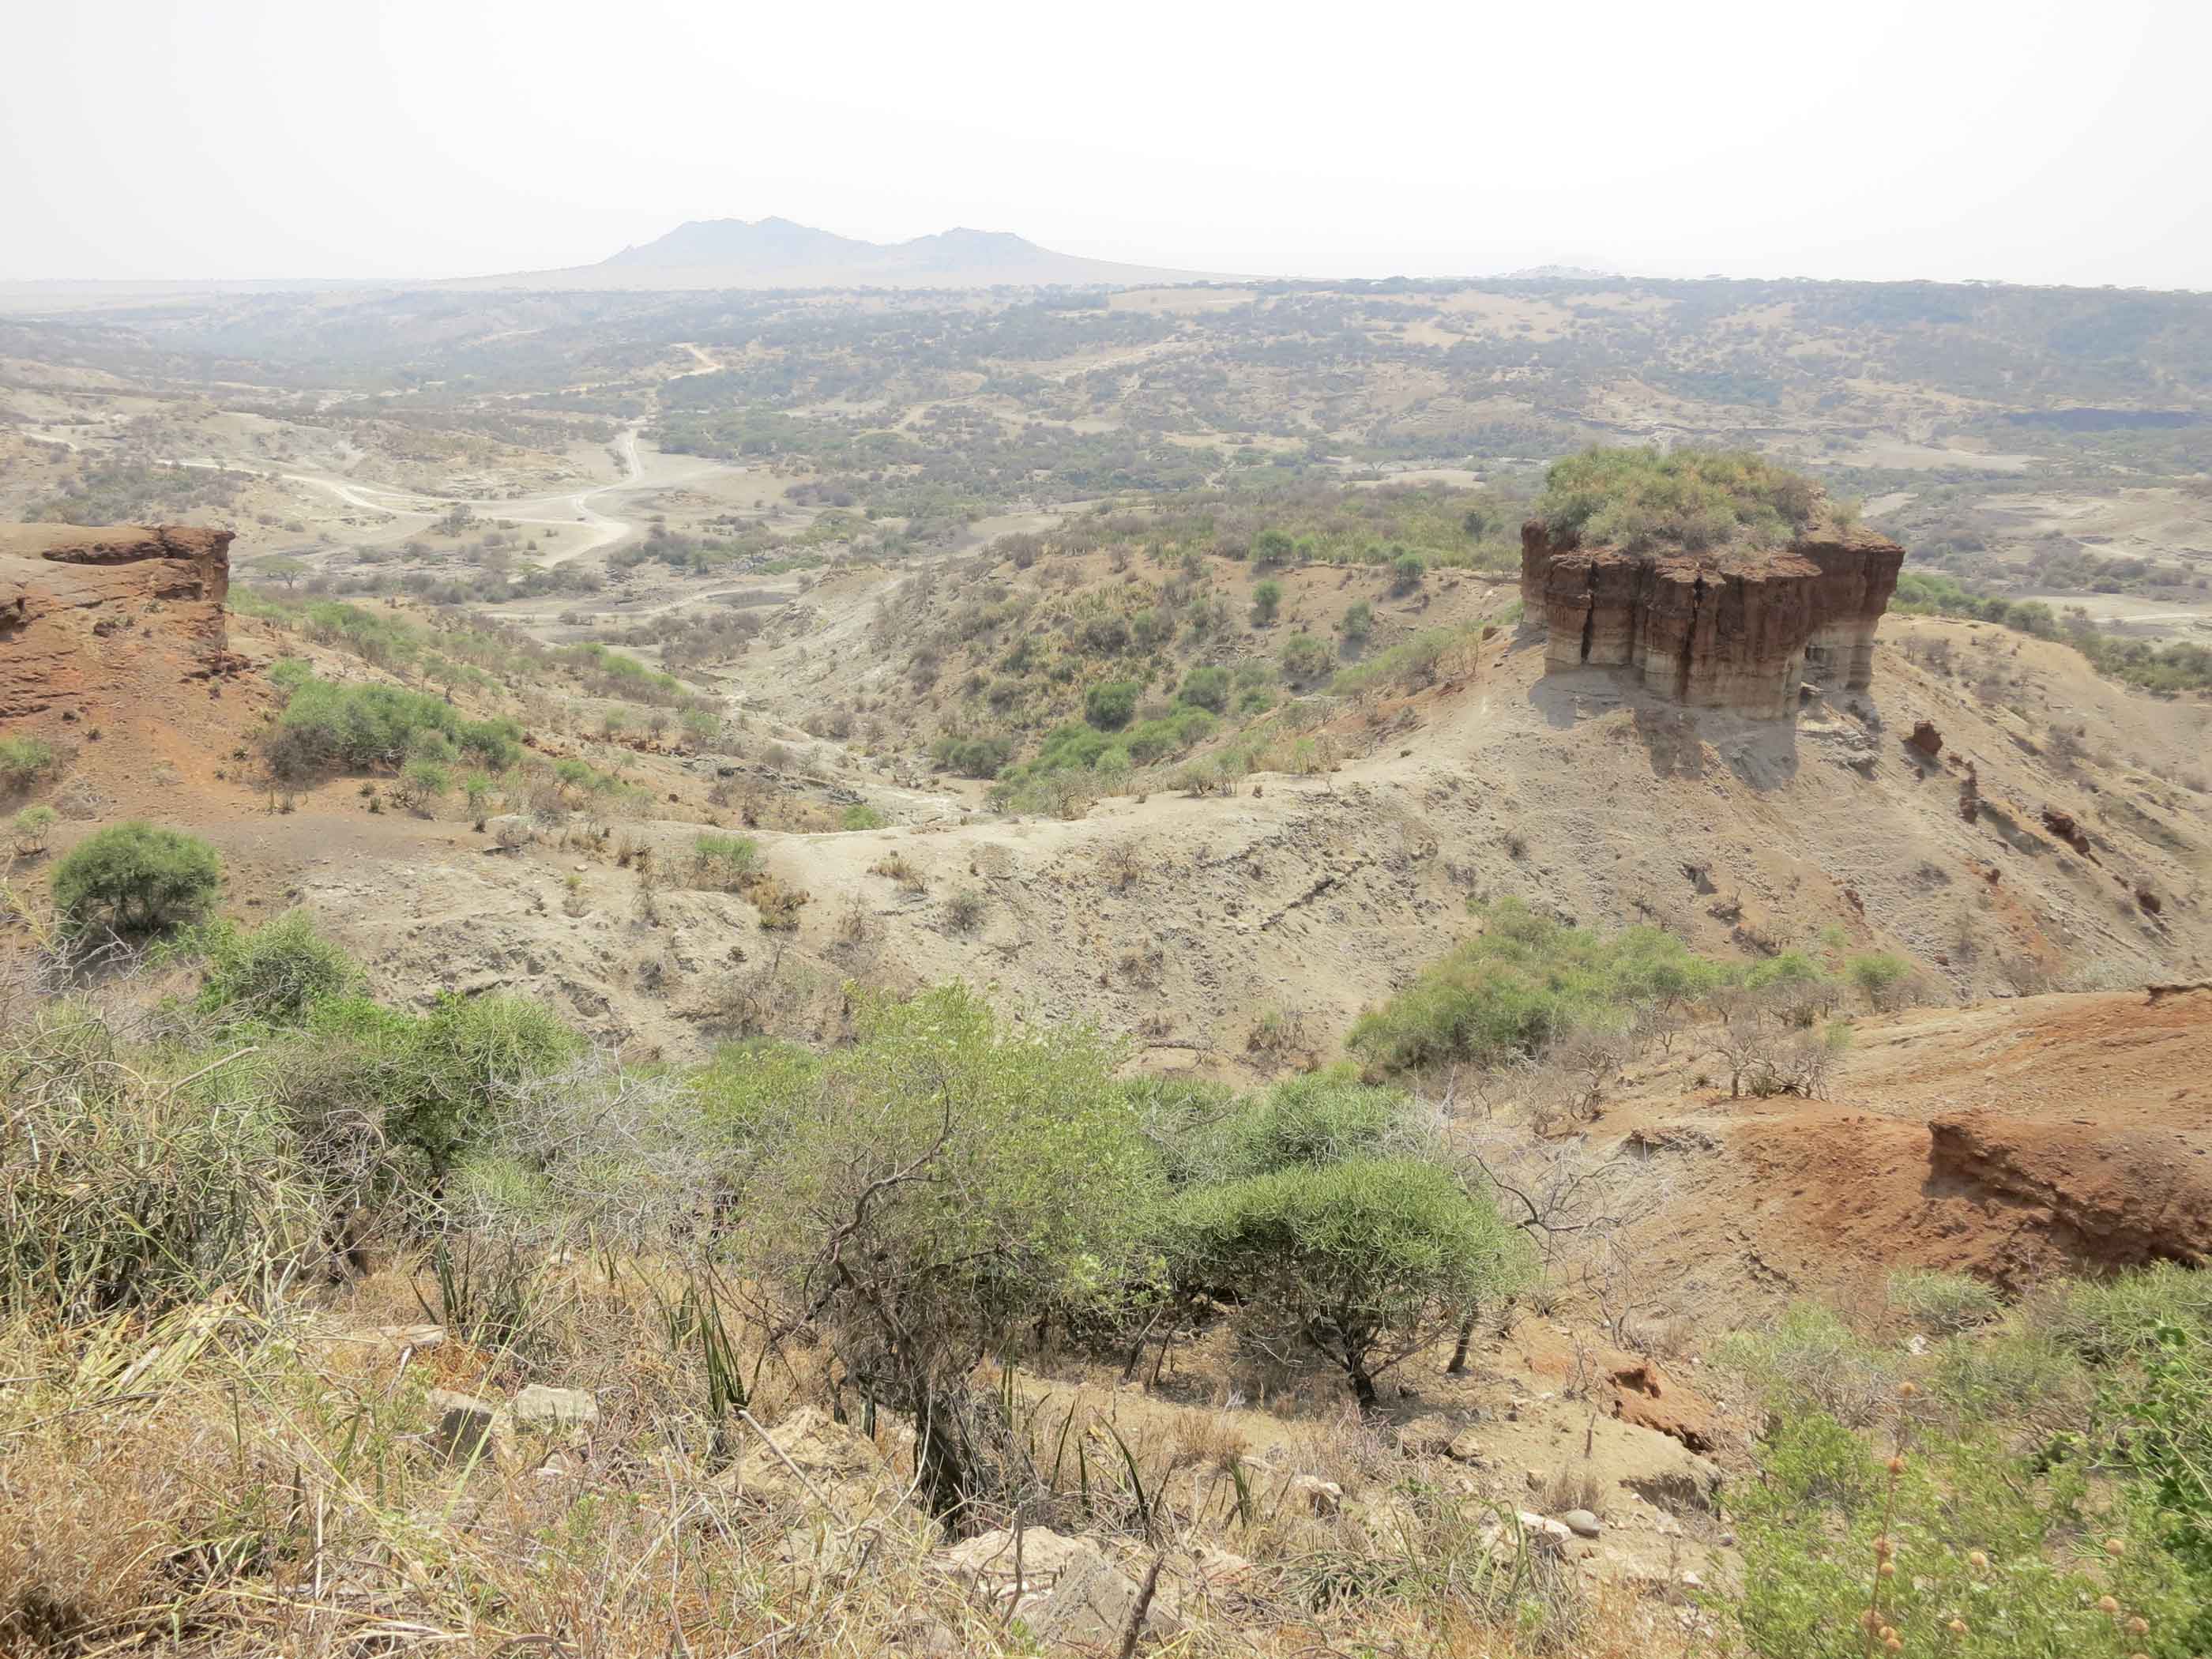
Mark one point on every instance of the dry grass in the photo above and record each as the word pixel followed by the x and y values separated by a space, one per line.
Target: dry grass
pixel 247 1484
pixel 901 869
pixel 1573 1487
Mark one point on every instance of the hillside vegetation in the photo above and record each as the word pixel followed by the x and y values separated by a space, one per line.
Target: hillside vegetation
pixel 1698 500
pixel 866 1228
pixel 926 974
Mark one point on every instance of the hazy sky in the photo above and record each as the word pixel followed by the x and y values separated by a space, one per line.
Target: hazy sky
pixel 2034 140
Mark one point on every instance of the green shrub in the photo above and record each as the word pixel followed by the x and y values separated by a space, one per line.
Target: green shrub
pixel 1996 1559
pixel 1410 665
pixel 1697 500
pixel 966 1176
pixel 1308 1121
pixel 273 973
pixel 1879 977
pixel 1205 687
pixel 132 1185
pixel 973 756
pixel 1523 981
pixel 1367 1261
pixel 23 761
pixel 2105 1320
pixel 1111 706
pixel 1177 730
pixel 1305 658
pixel 1407 571
pixel 1272 547
pixel 2159 1417
pixel 2027 1377
pixel 1358 620
pixel 137 878
pixel 860 816
pixel 432 743
pixel 435 1083
pixel 31 828
pixel 422 785
pixel 1266 600
pixel 326 727
pixel 1809 1361
pixel 1946 1303
pixel 723 860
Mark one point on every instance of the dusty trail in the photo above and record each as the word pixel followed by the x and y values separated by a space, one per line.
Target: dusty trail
pixel 571 508
pixel 564 508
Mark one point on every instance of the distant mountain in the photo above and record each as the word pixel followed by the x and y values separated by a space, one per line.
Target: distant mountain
pixel 1559 274
pixel 764 244
pixel 712 253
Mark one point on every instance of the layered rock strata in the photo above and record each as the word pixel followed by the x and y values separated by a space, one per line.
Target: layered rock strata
pixel 1734 631
pixel 80 608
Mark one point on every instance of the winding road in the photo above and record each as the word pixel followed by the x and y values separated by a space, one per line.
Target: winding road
pixel 566 510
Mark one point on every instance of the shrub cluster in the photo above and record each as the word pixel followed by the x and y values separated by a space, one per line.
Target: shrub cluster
pixel 1526 985
pixel 23 761
pixel 1695 500
pixel 2038 1476
pixel 136 879
pixel 327 726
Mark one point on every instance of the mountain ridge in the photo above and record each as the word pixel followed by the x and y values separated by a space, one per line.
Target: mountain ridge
pixel 780 253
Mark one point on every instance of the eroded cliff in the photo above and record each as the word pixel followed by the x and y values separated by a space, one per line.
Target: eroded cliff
pixel 1738 631
pixel 81 609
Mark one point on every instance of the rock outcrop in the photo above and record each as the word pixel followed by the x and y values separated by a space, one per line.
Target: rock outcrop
pixel 1714 630
pixel 81 609
pixel 2117 1196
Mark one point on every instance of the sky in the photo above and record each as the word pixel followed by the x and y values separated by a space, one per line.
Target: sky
pixel 2038 141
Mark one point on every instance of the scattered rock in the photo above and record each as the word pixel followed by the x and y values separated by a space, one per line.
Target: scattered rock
pixel 1322 1497
pixel 925 1635
pixel 1091 1608
pixel 1216 1571
pixel 1580 1522
pixel 1644 1394
pixel 2063 825
pixel 1534 1532
pixel 1465 1448
pixel 840 1464
pixel 1926 739
pixel 1427 1437
pixel 466 1426
pixel 1388 1519
pixel 985 1562
pixel 540 1408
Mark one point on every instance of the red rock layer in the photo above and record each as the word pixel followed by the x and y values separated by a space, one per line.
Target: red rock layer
pixel 1734 632
pixel 80 608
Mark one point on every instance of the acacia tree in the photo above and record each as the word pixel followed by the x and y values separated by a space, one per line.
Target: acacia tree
pixel 925 1195
pixel 1366 1261
pixel 137 877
